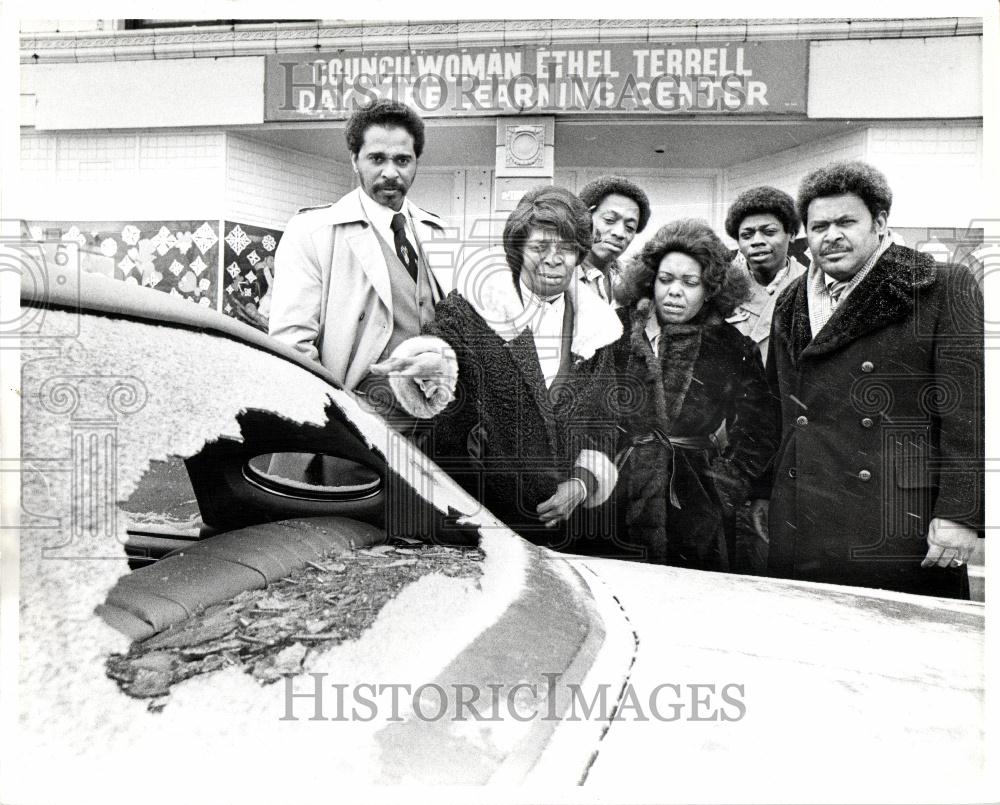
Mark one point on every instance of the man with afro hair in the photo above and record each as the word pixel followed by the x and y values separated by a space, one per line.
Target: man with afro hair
pixel 619 210
pixel 877 358
pixel 763 222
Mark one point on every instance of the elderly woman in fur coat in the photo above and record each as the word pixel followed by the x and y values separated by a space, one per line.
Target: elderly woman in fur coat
pixel 683 370
pixel 518 376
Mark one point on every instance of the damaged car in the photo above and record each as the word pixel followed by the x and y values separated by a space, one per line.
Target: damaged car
pixel 230 565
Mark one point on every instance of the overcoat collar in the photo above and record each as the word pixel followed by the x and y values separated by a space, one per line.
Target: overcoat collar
pixel 348 210
pixel 496 299
pixel 670 373
pixel 364 243
pixel 885 296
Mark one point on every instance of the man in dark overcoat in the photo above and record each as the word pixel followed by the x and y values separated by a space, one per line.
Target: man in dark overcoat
pixel 877 357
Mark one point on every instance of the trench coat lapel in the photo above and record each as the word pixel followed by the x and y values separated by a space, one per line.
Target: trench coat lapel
pixel 365 246
pixel 361 239
pixel 429 227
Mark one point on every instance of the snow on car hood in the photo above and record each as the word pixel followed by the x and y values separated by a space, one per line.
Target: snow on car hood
pixel 97 408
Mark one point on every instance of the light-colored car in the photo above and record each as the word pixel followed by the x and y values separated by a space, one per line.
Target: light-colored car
pixel 159 456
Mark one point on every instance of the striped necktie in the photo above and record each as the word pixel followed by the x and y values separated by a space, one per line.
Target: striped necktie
pixel 837 289
pixel 407 254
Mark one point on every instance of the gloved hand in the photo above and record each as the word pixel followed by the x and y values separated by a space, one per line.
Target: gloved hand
pixel 731 484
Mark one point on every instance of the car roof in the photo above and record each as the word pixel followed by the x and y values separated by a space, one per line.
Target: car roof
pixel 102 295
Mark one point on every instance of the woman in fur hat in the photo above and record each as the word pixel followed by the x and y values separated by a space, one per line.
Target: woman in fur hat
pixel 683 370
pixel 518 375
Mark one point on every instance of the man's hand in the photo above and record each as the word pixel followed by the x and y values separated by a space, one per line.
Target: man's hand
pixel 249 314
pixel 759 509
pixel 569 494
pixel 950 544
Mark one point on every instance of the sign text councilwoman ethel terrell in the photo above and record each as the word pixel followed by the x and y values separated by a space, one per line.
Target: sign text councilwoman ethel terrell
pixel 710 78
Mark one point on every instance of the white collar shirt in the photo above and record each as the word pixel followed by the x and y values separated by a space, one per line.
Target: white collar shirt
pixel 819 285
pixel 594 277
pixel 753 316
pixel 381 218
pixel 653 332
pixel 546 324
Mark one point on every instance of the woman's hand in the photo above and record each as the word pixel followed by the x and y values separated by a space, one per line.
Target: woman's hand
pixel 423 374
pixel 424 366
pixel 569 494
pixel 759 509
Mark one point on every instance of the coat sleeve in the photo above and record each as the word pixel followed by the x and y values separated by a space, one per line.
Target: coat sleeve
pixel 426 396
pixel 960 420
pixel 761 486
pixel 756 428
pixel 297 297
pixel 457 432
pixel 594 461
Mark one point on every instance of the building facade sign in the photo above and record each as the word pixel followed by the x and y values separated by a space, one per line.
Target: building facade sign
pixel 701 78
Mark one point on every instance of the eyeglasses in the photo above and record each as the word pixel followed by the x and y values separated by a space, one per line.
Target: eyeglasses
pixel 541 248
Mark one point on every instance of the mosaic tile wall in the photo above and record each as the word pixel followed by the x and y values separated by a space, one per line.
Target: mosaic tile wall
pixel 177 257
pixel 248 270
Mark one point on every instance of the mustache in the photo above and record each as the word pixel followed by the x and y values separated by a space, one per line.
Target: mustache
pixel 608 239
pixel 388 186
pixel 835 250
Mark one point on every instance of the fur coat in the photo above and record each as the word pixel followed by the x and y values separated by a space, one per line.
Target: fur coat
pixel 498 430
pixel 674 497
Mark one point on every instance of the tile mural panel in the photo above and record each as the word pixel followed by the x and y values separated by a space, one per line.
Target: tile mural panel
pixel 248 271
pixel 177 257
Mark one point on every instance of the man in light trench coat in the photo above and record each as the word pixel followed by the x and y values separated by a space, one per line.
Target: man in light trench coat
pixel 351 279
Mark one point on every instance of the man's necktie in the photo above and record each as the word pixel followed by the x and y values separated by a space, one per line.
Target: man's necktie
pixel 407 254
pixel 837 290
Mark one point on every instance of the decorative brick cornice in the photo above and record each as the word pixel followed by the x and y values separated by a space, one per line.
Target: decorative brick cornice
pixel 258 39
